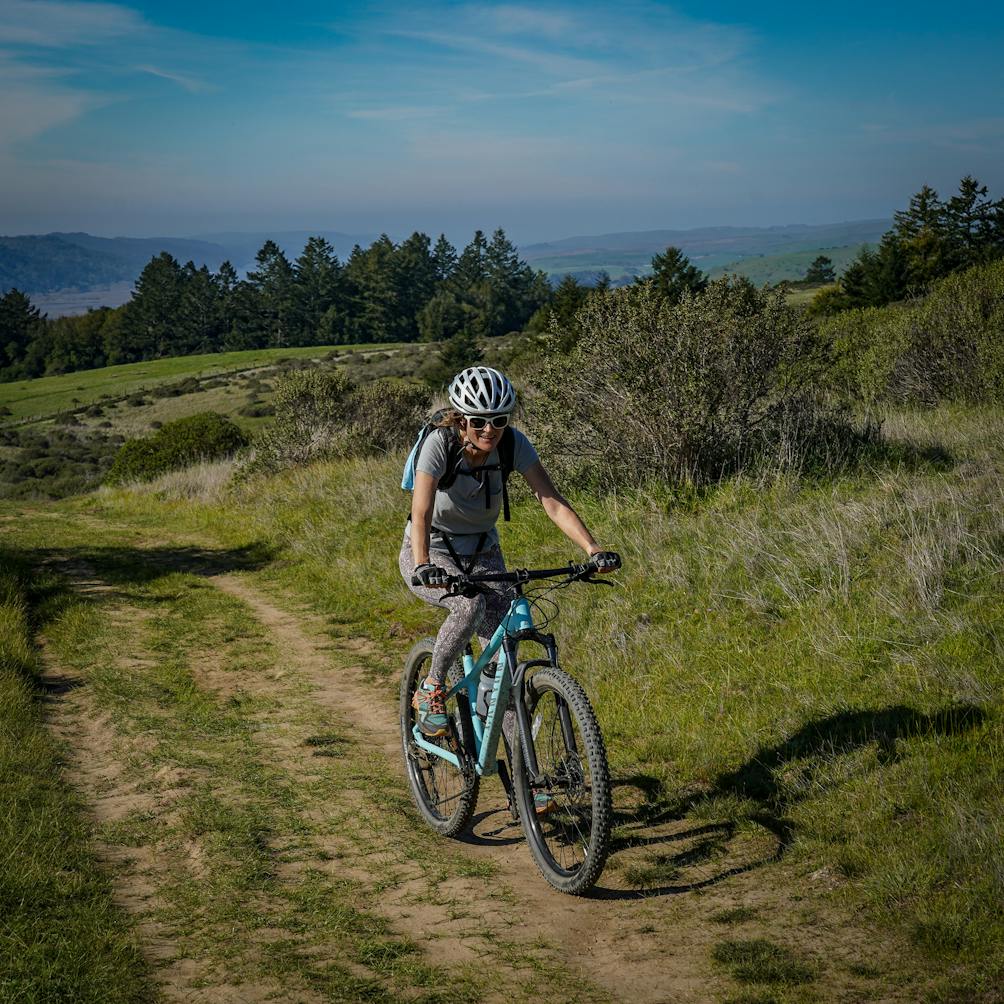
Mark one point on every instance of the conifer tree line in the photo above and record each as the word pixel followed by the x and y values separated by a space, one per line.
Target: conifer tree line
pixel 930 239
pixel 388 292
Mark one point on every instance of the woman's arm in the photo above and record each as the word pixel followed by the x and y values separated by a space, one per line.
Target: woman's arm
pixel 423 499
pixel 564 517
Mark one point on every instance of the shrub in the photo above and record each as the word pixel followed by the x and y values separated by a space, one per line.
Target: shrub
pixel 946 347
pixel 206 436
pixel 723 380
pixel 256 409
pixel 321 413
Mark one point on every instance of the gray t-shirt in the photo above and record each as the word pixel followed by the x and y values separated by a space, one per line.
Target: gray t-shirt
pixel 461 509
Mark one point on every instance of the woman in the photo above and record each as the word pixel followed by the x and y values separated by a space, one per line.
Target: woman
pixel 457 524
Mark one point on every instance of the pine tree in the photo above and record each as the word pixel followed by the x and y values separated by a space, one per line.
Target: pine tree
pixel 459 352
pixel 922 240
pixel 471 267
pixel 673 275
pixel 820 271
pixel 375 311
pixel 975 224
pixel 444 259
pixel 149 321
pixel 415 281
pixel 20 324
pixel 273 286
pixel 317 288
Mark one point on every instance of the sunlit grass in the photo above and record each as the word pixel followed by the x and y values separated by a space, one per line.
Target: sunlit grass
pixel 823 657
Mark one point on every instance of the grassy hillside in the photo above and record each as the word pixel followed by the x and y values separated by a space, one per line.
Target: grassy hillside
pixel 58 434
pixel 818 662
pixel 791 266
pixel 45 396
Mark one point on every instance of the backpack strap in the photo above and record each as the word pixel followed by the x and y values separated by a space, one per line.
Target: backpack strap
pixel 455 461
pixel 464 566
pixel 507 460
pixel 454 456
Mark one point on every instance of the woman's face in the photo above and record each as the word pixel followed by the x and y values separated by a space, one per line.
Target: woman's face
pixel 486 438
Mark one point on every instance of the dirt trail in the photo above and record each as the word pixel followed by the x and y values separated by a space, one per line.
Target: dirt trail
pixel 98 754
pixel 619 939
pixel 652 946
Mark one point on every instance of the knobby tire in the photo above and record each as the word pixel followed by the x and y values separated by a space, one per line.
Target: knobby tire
pixel 570 844
pixel 446 797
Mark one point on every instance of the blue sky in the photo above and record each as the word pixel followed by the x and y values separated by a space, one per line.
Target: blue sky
pixel 547 119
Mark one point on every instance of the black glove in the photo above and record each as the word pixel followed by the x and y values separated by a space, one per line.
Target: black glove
pixel 428 575
pixel 606 561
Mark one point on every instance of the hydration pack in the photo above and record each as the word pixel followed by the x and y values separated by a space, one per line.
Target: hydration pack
pixel 455 460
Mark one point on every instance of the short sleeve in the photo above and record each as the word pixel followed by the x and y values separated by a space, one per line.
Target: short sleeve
pixel 524 454
pixel 432 457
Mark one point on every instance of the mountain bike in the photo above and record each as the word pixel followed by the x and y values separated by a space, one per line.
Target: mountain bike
pixel 558 782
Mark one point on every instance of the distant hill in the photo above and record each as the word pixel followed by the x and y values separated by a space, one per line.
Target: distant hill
pixel 242 247
pixel 50 262
pixel 103 267
pixel 41 264
pixel 713 249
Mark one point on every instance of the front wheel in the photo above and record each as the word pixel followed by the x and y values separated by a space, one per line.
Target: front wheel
pixel 566 818
pixel 446 797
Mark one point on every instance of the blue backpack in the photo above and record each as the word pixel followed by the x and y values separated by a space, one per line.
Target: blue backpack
pixel 455 460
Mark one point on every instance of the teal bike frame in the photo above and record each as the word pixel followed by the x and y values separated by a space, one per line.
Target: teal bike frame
pixel 516 626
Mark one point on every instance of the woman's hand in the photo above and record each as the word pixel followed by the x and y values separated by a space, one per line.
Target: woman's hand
pixel 605 561
pixel 430 576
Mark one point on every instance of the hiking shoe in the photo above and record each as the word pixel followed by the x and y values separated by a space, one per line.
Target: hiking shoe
pixel 543 803
pixel 430 703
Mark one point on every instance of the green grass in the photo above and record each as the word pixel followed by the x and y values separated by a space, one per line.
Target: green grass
pixel 819 663
pixel 267 860
pixel 790 266
pixel 61 937
pixel 46 396
pixel 761 961
pixel 812 667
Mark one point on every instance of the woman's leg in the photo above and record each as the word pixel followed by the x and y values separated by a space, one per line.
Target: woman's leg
pixel 465 614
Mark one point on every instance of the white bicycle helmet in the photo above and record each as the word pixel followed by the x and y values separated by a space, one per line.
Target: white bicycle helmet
pixel 480 390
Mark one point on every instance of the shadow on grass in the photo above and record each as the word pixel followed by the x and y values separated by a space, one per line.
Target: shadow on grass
pixel 752 793
pixel 100 573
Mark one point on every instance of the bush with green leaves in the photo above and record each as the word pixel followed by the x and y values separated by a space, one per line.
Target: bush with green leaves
pixel 726 379
pixel 206 436
pixel 322 414
pixel 948 346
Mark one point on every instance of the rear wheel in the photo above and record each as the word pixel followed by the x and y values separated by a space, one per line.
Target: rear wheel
pixel 446 797
pixel 566 818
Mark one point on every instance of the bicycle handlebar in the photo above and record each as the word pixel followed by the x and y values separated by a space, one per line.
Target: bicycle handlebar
pixel 583 571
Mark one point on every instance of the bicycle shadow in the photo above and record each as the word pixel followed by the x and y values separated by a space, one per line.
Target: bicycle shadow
pixel 668 842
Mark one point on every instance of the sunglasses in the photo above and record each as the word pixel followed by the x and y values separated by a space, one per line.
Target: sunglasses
pixel 480 421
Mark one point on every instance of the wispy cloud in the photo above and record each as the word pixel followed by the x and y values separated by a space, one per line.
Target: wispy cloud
pixel 52 24
pixel 556 25
pixel 543 59
pixel 190 84
pixel 396 113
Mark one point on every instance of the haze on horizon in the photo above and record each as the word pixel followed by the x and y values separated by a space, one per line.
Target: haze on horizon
pixel 549 119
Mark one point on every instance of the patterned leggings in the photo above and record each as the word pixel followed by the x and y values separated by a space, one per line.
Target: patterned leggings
pixel 479 614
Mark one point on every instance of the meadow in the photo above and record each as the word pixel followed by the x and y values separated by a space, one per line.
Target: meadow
pixel 816 666
pixel 798 676
pixel 46 397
